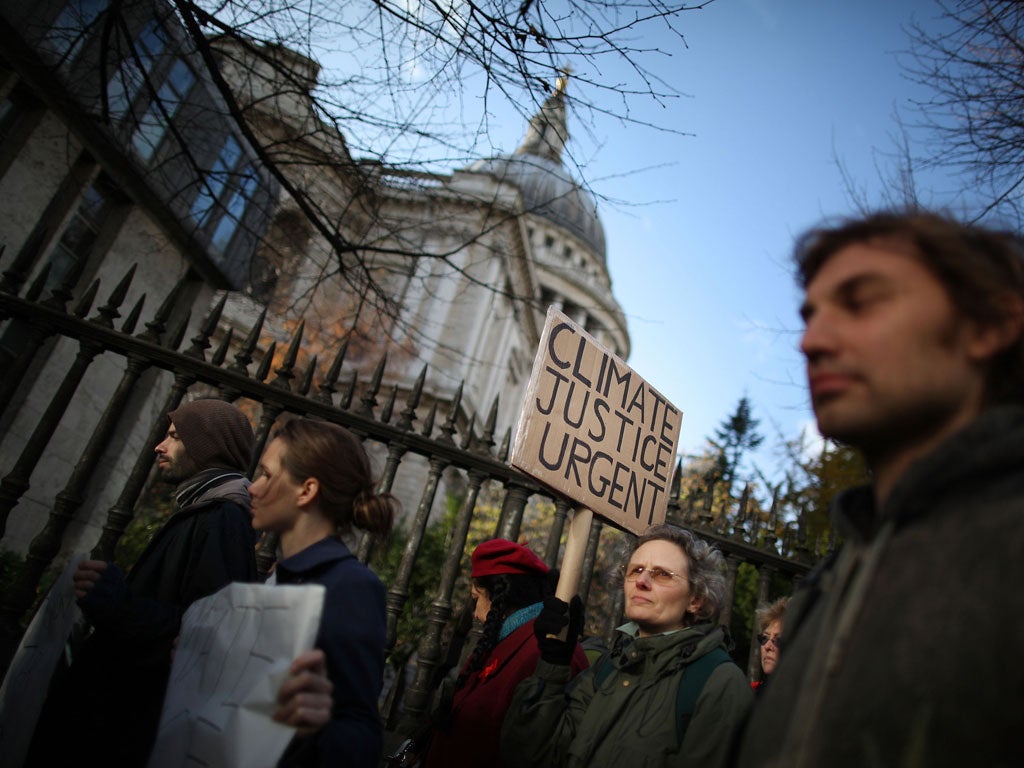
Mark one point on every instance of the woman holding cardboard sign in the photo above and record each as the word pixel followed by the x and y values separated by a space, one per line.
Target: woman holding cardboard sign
pixel 666 694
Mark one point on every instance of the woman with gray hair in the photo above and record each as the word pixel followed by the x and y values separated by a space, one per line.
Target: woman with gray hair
pixel 667 694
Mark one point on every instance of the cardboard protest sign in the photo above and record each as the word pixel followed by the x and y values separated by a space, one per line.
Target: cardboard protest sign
pixel 594 430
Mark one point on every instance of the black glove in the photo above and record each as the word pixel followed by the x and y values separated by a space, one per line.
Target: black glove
pixel 558 629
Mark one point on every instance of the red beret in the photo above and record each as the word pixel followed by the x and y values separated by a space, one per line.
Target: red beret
pixel 503 556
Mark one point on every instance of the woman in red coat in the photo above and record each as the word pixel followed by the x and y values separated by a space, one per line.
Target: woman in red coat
pixel 509 584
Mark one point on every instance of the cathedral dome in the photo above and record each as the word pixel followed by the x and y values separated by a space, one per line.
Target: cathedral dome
pixel 546 186
pixel 550 192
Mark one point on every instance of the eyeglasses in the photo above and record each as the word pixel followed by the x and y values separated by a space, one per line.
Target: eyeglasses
pixel 658 575
pixel 775 639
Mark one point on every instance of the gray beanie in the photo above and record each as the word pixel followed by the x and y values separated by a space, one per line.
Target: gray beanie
pixel 215 434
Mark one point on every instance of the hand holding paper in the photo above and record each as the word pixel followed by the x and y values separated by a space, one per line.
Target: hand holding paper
pixel 234 653
pixel 305 695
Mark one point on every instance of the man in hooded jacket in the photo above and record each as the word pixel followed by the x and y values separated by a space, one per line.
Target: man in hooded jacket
pixel 107 703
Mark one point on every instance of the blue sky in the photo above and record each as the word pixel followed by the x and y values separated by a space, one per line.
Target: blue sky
pixel 780 92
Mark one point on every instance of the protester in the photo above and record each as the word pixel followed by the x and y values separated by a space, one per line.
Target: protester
pixel 769 637
pixel 902 650
pixel 509 585
pixel 314 484
pixel 667 695
pixel 107 704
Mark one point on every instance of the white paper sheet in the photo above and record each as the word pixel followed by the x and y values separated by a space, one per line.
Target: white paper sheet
pixel 28 678
pixel 233 654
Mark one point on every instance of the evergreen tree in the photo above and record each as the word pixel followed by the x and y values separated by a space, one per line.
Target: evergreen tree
pixel 733 439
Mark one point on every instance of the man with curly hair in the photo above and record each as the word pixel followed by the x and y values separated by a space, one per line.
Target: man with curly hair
pixel 901 650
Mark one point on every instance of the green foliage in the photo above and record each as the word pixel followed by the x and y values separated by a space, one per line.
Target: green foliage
pixel 423 584
pixel 814 481
pixel 736 435
pixel 151 511
pixel 538 519
pixel 744 608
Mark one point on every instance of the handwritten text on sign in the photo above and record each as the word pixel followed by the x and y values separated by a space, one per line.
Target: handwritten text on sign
pixel 594 430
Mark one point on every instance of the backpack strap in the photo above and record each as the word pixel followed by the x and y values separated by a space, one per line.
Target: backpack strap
pixel 603 667
pixel 692 683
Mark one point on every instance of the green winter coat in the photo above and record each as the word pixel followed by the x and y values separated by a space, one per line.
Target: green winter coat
pixel 629 719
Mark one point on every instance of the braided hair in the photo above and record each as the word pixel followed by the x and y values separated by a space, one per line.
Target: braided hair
pixel 508 593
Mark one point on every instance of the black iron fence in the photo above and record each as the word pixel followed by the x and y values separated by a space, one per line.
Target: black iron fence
pixel 154 363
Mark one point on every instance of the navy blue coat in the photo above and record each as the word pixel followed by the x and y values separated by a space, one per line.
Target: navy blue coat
pixel 353 633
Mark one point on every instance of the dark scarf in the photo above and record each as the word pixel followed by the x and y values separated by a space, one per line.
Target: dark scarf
pixel 213 484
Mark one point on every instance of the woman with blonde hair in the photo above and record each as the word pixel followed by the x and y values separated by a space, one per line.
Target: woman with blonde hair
pixel 314 484
pixel 769 637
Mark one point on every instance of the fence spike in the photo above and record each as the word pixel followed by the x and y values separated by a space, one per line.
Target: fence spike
pixel 109 311
pixel 709 498
pixel 156 327
pixel 369 398
pixel 448 428
pixel 244 355
pixel 307 380
pixel 177 333
pixel 350 391
pixel 268 360
pixel 201 341
pixel 677 479
pixel 286 372
pixel 738 528
pixel 428 424
pixel 468 438
pixel 389 406
pixel 409 413
pixel 82 306
pixel 63 293
pixel 327 386
pixel 487 438
pixel 133 317
pixel 506 445
pixel 221 352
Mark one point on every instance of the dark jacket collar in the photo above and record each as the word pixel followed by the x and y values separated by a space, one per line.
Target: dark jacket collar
pixel 327 550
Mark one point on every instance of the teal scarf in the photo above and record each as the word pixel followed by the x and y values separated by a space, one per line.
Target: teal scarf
pixel 515 620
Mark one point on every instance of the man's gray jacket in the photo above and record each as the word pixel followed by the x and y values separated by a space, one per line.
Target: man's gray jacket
pixel 906 649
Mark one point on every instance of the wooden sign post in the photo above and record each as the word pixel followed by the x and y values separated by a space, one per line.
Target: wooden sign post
pixel 596 432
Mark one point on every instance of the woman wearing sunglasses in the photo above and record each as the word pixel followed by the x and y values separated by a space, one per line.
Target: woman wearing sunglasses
pixel 666 694
pixel 769 637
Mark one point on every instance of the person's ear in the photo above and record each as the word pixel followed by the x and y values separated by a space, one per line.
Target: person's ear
pixel 309 489
pixel 988 340
pixel 696 603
